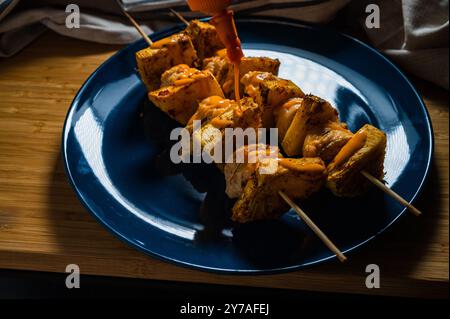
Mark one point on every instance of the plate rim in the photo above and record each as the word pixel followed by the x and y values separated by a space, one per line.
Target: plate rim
pixel 261 19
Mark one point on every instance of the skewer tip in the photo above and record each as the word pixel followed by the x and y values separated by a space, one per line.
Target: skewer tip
pixel 179 16
pixel 391 193
pixel 138 27
pixel 341 257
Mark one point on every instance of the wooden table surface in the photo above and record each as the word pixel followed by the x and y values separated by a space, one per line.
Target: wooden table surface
pixel 43 226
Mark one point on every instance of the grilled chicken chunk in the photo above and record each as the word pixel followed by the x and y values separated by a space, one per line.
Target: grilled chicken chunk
pixel 183 88
pixel 152 62
pixel 311 115
pixel 326 141
pixel 298 178
pixel 218 66
pixel 227 114
pixel 224 71
pixel 179 75
pixel 270 92
pixel 210 108
pixel 365 151
pixel 246 161
pixel 205 38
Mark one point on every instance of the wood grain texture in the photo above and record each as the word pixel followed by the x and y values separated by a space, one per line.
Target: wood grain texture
pixel 44 227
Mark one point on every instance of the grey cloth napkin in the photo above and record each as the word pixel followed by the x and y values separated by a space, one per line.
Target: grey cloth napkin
pixel 413 33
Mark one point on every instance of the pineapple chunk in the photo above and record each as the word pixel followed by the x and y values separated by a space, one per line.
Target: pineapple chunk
pixel 344 179
pixel 269 91
pixel 313 112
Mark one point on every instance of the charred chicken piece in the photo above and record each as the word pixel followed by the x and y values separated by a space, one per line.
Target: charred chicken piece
pixel 298 178
pixel 210 108
pixel 183 88
pixel 326 141
pixel 224 71
pixel 223 114
pixel 152 62
pixel 246 160
pixel 204 37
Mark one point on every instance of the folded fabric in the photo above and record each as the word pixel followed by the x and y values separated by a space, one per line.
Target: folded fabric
pixel 413 33
pixel 102 20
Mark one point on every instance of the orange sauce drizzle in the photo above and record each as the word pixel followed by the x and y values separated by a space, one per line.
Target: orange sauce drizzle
pixel 236 82
pixel 183 82
pixel 210 106
pixel 188 75
pixel 353 145
pixel 215 100
pixel 292 102
pixel 301 167
pixel 269 152
pixel 220 123
pixel 222 53
pixel 160 43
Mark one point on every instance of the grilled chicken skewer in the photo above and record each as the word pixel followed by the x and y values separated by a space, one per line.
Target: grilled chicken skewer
pixel 193 46
pixel 197 46
pixel 190 47
pixel 271 93
pixel 256 83
pixel 255 180
pixel 171 78
pixel 309 126
pixel 260 195
pixel 236 87
pixel 224 71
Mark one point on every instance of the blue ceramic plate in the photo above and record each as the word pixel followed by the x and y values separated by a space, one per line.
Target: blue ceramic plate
pixel 4 4
pixel 115 153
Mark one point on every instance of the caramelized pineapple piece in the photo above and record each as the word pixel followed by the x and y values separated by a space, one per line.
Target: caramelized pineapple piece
pixel 345 178
pixel 270 92
pixel 312 112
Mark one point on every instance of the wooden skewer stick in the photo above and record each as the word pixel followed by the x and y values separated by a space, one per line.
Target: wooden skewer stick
pixel 138 28
pixel 314 228
pixel 391 193
pixel 179 16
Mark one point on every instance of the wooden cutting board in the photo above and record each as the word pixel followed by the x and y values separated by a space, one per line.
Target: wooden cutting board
pixel 43 226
